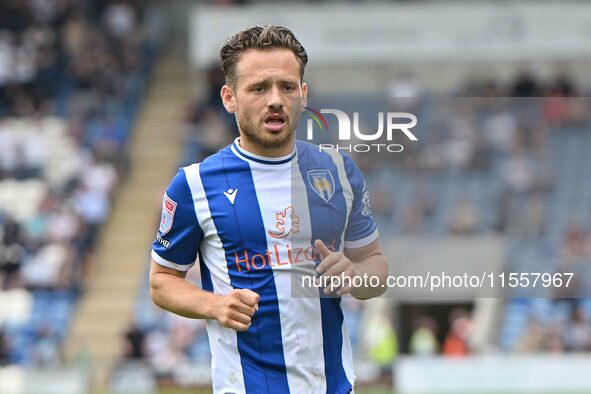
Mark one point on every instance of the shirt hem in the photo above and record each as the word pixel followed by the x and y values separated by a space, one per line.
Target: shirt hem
pixel 359 243
pixel 169 264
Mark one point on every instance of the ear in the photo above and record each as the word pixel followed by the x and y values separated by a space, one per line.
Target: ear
pixel 228 98
pixel 304 94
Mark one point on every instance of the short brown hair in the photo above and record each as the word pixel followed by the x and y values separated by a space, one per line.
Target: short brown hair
pixel 257 37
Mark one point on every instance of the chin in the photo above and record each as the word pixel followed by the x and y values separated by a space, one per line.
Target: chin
pixel 274 140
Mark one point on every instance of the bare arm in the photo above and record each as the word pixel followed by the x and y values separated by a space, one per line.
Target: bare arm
pixel 369 260
pixel 171 291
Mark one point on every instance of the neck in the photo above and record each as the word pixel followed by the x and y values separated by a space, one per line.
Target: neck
pixel 254 148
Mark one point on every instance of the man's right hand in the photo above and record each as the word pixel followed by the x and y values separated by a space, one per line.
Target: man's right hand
pixel 235 309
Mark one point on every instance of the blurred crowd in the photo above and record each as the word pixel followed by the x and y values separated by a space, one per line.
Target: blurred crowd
pixel 506 159
pixel 550 326
pixel 491 138
pixel 71 75
pixel 208 126
pixel 509 159
pixel 570 334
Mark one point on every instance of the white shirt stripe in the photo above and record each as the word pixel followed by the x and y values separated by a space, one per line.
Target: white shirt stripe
pixel 226 367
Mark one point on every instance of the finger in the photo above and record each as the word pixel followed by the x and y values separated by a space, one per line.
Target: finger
pixel 249 297
pixel 344 290
pixel 244 309
pixel 229 322
pixel 329 290
pixel 337 268
pixel 328 262
pixel 322 248
pixel 240 318
pixel 330 286
pixel 239 326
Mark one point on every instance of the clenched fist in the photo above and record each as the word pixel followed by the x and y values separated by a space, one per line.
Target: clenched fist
pixel 235 309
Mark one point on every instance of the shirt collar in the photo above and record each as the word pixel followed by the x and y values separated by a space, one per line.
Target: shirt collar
pixel 241 152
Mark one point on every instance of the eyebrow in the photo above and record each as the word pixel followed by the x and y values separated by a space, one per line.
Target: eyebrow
pixel 267 81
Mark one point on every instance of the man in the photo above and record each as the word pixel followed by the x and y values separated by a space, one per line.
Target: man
pixel 250 215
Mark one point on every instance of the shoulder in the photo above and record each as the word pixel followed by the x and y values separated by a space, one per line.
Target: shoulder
pixel 189 176
pixel 212 163
pixel 217 157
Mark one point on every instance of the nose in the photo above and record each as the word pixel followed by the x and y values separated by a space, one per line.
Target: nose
pixel 275 101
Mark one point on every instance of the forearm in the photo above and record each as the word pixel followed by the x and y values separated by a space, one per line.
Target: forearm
pixel 372 266
pixel 179 296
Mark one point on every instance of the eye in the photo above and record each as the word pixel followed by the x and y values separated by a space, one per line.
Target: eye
pixel 258 89
pixel 289 88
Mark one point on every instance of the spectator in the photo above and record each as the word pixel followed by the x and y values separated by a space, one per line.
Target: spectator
pixel 135 343
pixel 533 337
pixel 383 344
pixel 530 223
pixel 120 19
pixel 525 85
pixel 45 269
pixel 577 332
pixel 518 172
pixel 456 340
pixel 500 131
pixel 464 218
pixel 553 342
pixel 574 241
pixel 46 350
pixel 423 341
pixel 76 34
pixel 4 351
pixel 11 251
pixel 460 147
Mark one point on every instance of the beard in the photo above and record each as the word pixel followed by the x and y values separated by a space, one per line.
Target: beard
pixel 256 132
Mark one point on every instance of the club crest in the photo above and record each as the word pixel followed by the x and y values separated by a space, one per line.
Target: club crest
pixel 322 182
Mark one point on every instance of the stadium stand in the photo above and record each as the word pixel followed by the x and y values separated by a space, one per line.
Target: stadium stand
pixel 72 77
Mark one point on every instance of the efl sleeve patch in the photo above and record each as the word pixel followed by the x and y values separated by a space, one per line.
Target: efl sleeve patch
pixel 168 210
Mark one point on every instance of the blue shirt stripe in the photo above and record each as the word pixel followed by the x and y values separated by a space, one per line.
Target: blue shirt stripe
pixel 206 282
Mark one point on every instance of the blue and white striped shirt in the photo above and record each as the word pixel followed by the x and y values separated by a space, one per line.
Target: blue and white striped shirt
pixel 250 222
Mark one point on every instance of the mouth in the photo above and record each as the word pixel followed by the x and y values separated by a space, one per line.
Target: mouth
pixel 275 122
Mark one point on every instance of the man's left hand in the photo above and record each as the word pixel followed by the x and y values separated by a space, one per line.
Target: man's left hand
pixel 335 264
